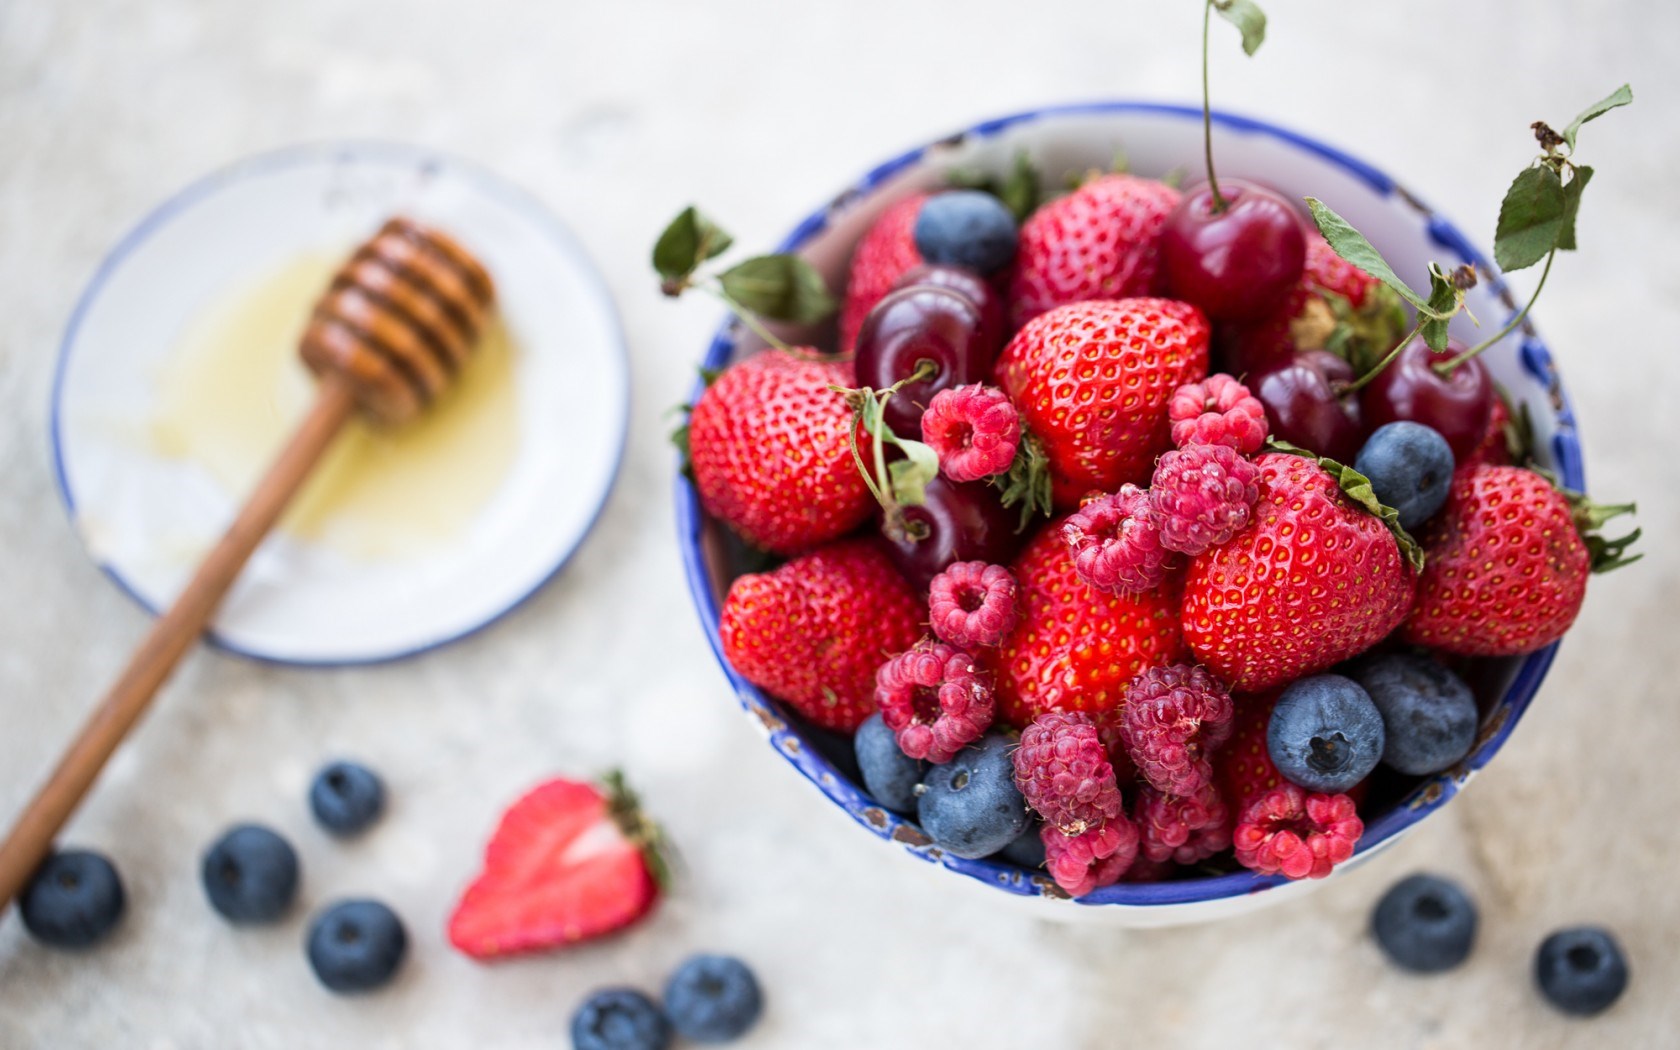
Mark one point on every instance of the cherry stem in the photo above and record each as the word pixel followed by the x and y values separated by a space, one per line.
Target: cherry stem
pixel 1387 360
pixel 747 318
pixel 1207 111
pixel 1445 368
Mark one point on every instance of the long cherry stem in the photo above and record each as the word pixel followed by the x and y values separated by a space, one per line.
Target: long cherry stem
pixel 1207 110
pixel 1359 384
pixel 1445 368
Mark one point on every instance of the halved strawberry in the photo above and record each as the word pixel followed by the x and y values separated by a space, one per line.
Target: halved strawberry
pixel 569 862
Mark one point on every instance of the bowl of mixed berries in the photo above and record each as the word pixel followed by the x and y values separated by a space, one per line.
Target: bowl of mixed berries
pixel 1150 547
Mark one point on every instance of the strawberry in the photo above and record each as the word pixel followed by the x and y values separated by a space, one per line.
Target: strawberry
pixel 1092 382
pixel 1098 242
pixel 770 445
pixel 813 632
pixel 1243 765
pixel 1502 435
pixel 1313 580
pixel 882 256
pixel 1335 304
pixel 1507 564
pixel 1075 648
pixel 569 862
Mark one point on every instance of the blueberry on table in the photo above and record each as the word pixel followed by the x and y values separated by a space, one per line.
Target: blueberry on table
pixel 250 874
pixel 966 228
pixel 346 797
pixel 970 806
pixel 1425 923
pixel 1429 714
pixel 620 1019
pixel 356 945
pixel 889 774
pixel 713 999
pixel 1410 467
pixel 1325 733
pixel 74 900
pixel 1581 970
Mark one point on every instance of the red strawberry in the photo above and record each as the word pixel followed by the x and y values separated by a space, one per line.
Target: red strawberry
pixel 1495 449
pixel 1331 292
pixel 1092 382
pixel 770 445
pixel 1099 242
pixel 881 257
pixel 1243 766
pixel 813 632
pixel 568 862
pixel 1075 648
pixel 1312 580
pixel 1507 565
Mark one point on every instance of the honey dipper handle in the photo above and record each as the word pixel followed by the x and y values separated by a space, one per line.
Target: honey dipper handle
pixel 170 637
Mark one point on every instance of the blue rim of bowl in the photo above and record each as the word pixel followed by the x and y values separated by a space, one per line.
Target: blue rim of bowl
pixel 1424 799
pixel 493 185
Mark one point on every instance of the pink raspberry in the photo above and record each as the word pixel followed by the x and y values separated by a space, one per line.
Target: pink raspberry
pixel 1091 859
pixel 1217 411
pixel 1145 870
pixel 1116 542
pixel 1296 833
pixel 1202 496
pixel 935 699
pixel 1182 829
pixel 1172 718
pixel 974 429
pixel 1064 772
pixel 972 603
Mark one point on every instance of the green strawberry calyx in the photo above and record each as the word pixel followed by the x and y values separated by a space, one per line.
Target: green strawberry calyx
pixel 903 482
pixel 625 808
pixel 1590 517
pixel 1357 488
pixel 1027 481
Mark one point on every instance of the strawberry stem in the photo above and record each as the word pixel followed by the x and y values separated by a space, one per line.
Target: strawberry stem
pixel 746 317
pixel 1445 368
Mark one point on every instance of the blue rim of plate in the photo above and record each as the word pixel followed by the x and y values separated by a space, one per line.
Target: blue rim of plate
pixel 1428 796
pixel 520 200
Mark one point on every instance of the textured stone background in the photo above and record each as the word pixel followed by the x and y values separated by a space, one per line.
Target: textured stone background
pixel 617 113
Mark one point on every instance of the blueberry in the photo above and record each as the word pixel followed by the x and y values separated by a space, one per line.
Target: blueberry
pixel 250 874
pixel 1410 467
pixel 966 228
pixel 1027 850
pixel 1325 734
pixel 1581 970
pixel 620 1019
pixel 713 999
pixel 970 806
pixel 356 945
pixel 890 775
pixel 73 900
pixel 1429 715
pixel 1425 923
pixel 346 797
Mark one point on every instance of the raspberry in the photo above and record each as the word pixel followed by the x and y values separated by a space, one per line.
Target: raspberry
pixel 974 429
pixel 1116 542
pixel 1182 828
pixel 1172 717
pixel 935 699
pixel 1217 411
pixel 972 603
pixel 1114 744
pixel 1202 496
pixel 1064 772
pixel 1296 833
pixel 1093 858
pixel 1145 870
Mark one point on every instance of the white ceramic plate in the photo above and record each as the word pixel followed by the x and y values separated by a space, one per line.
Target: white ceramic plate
pixel 145 517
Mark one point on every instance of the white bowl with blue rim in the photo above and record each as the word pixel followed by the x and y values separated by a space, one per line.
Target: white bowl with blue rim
pixel 1155 139
pixel 146 515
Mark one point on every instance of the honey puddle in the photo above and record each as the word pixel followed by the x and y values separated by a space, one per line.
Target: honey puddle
pixel 233 388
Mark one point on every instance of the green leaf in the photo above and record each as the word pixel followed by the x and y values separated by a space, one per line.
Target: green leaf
pixel 1572 205
pixel 1351 245
pixel 1443 300
pixel 1620 97
pixel 1357 487
pixel 780 287
pixel 1531 219
pixel 1019 191
pixel 911 474
pixel 690 240
pixel 1247 17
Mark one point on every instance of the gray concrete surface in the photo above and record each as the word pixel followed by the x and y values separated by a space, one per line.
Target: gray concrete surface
pixel 617 114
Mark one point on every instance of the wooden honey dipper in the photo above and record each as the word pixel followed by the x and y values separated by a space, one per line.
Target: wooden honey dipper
pixel 389 335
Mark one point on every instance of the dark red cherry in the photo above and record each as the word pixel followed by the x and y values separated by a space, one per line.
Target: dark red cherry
pixel 1236 263
pixel 958 522
pixel 935 325
pixel 964 282
pixel 1338 373
pixel 1302 409
pixel 1458 405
